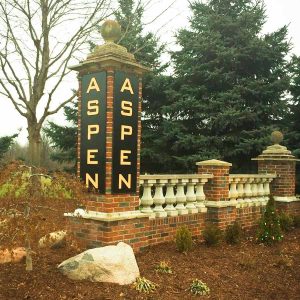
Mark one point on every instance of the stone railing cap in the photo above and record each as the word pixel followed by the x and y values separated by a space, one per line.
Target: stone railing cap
pixel 252 175
pixel 175 176
pixel 214 162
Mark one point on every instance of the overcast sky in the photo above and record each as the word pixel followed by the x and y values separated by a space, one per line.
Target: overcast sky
pixel 279 13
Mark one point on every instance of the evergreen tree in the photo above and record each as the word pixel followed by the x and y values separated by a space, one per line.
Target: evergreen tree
pixel 293 118
pixel 5 143
pixel 230 82
pixel 64 138
pixel 269 230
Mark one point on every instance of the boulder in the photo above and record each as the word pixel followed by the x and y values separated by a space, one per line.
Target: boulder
pixel 55 240
pixel 15 255
pixel 115 264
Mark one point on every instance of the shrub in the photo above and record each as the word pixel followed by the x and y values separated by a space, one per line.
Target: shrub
pixel 199 288
pixel 163 267
pixel 296 221
pixel 144 285
pixel 212 234
pixel 286 221
pixel 183 239
pixel 233 233
pixel 269 230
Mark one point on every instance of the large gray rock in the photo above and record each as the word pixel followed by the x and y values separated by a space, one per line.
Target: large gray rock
pixel 116 264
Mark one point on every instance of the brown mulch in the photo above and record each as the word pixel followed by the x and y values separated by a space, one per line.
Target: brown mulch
pixel 246 271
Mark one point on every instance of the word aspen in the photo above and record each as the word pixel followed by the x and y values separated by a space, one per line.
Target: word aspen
pixel 125 133
pixel 93 119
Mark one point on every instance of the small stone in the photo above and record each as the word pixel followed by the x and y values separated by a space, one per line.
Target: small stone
pixel 15 255
pixel 53 240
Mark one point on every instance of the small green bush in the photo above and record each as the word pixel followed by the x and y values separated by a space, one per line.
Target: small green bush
pixel 286 221
pixel 269 231
pixel 212 235
pixel 144 285
pixel 296 221
pixel 183 239
pixel 233 233
pixel 199 288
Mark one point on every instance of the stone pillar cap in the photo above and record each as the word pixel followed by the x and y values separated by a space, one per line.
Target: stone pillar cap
pixel 276 151
pixel 214 162
pixel 110 54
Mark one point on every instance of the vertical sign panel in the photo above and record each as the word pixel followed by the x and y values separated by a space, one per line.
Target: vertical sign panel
pixel 93 131
pixel 125 130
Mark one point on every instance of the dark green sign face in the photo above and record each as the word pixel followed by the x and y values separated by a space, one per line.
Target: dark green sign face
pixel 93 131
pixel 125 132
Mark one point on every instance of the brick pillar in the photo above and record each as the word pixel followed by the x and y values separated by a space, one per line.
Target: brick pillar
pixel 220 210
pixel 217 189
pixel 278 160
pixel 109 137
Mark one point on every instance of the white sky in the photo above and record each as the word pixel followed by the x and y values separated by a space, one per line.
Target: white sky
pixel 279 13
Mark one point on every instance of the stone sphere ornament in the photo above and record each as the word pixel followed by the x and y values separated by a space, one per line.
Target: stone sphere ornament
pixel 276 137
pixel 110 31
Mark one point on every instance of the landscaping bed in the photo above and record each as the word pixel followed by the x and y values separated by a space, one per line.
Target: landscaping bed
pixel 245 271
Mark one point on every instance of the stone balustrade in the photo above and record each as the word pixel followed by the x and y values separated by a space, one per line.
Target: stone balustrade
pixel 173 195
pixel 250 190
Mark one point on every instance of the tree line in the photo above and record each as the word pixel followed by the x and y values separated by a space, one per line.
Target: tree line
pixel 231 85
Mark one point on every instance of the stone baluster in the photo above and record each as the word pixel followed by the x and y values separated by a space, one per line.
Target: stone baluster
pixel 267 190
pixel 171 198
pixel 241 192
pixel 181 197
pixel 254 190
pixel 147 200
pixel 159 198
pixel 191 196
pixel 248 191
pixel 200 196
pixel 233 193
pixel 260 190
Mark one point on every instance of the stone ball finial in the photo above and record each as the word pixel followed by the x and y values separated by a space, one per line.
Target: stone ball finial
pixel 276 137
pixel 110 31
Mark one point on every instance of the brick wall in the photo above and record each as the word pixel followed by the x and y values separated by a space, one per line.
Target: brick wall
pixel 221 216
pixel 249 217
pixel 291 208
pixel 139 233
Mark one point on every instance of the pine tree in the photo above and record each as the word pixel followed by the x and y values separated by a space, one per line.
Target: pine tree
pixel 64 138
pixel 5 143
pixel 293 118
pixel 269 231
pixel 230 81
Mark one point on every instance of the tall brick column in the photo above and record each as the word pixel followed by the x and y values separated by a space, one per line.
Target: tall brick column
pixel 109 138
pixel 220 210
pixel 278 159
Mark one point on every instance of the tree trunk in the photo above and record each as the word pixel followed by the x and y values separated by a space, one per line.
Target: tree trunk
pixel 34 144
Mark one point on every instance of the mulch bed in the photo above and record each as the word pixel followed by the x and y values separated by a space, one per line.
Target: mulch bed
pixel 246 271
